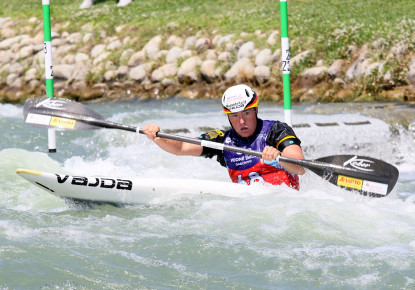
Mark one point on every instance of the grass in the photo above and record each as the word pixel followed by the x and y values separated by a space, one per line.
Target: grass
pixel 328 26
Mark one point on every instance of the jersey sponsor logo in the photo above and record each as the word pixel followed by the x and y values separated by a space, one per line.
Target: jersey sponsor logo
pixel 62 122
pixel 216 133
pixel 242 160
pixel 359 163
pixel 349 182
pixel 102 182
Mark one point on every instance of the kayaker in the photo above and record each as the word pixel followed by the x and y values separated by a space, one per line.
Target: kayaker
pixel 240 104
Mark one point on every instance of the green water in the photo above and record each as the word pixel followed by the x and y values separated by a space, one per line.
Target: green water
pixel 319 237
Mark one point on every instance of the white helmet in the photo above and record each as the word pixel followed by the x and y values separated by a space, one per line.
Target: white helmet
pixel 239 98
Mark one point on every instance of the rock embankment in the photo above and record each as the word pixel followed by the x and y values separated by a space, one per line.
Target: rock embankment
pixel 91 65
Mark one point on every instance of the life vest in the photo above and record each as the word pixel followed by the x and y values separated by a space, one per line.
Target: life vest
pixel 246 169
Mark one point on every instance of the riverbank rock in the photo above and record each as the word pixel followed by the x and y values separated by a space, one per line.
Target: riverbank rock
pixel 167 70
pixel 208 70
pixel 363 65
pixel 262 74
pixel 411 73
pixel 92 65
pixel 187 72
pixel 311 77
pixel 337 69
pixel 242 70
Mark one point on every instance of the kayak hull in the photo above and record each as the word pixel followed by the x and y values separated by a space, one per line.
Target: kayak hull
pixel 126 191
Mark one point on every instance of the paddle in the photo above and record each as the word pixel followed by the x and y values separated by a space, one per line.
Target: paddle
pixel 366 175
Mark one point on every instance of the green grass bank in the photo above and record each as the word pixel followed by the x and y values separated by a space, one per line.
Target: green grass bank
pixel 328 26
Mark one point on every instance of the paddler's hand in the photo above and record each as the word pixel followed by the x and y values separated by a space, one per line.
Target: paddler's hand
pixel 151 131
pixel 269 153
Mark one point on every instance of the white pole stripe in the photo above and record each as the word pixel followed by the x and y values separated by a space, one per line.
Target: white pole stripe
pixel 288 117
pixel 285 55
pixel 51 139
pixel 48 60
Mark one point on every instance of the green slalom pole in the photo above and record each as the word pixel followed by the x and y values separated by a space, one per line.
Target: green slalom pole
pixel 285 60
pixel 48 67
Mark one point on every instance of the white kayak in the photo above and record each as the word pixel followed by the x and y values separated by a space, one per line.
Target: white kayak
pixel 128 191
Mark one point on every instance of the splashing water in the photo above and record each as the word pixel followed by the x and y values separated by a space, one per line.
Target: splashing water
pixel 319 237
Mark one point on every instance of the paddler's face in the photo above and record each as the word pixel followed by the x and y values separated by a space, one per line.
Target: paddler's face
pixel 244 122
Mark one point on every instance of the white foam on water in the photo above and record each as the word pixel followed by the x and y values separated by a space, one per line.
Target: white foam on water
pixel 9 111
pixel 18 194
pixel 318 237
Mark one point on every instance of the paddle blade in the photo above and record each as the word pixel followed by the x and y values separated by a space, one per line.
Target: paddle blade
pixel 57 113
pixel 366 175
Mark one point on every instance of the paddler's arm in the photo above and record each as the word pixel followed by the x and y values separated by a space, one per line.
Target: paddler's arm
pixel 293 151
pixel 171 146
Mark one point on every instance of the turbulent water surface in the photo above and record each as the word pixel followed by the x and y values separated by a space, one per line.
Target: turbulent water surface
pixel 319 237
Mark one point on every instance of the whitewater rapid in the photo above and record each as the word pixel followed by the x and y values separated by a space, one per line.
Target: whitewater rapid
pixel 318 237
